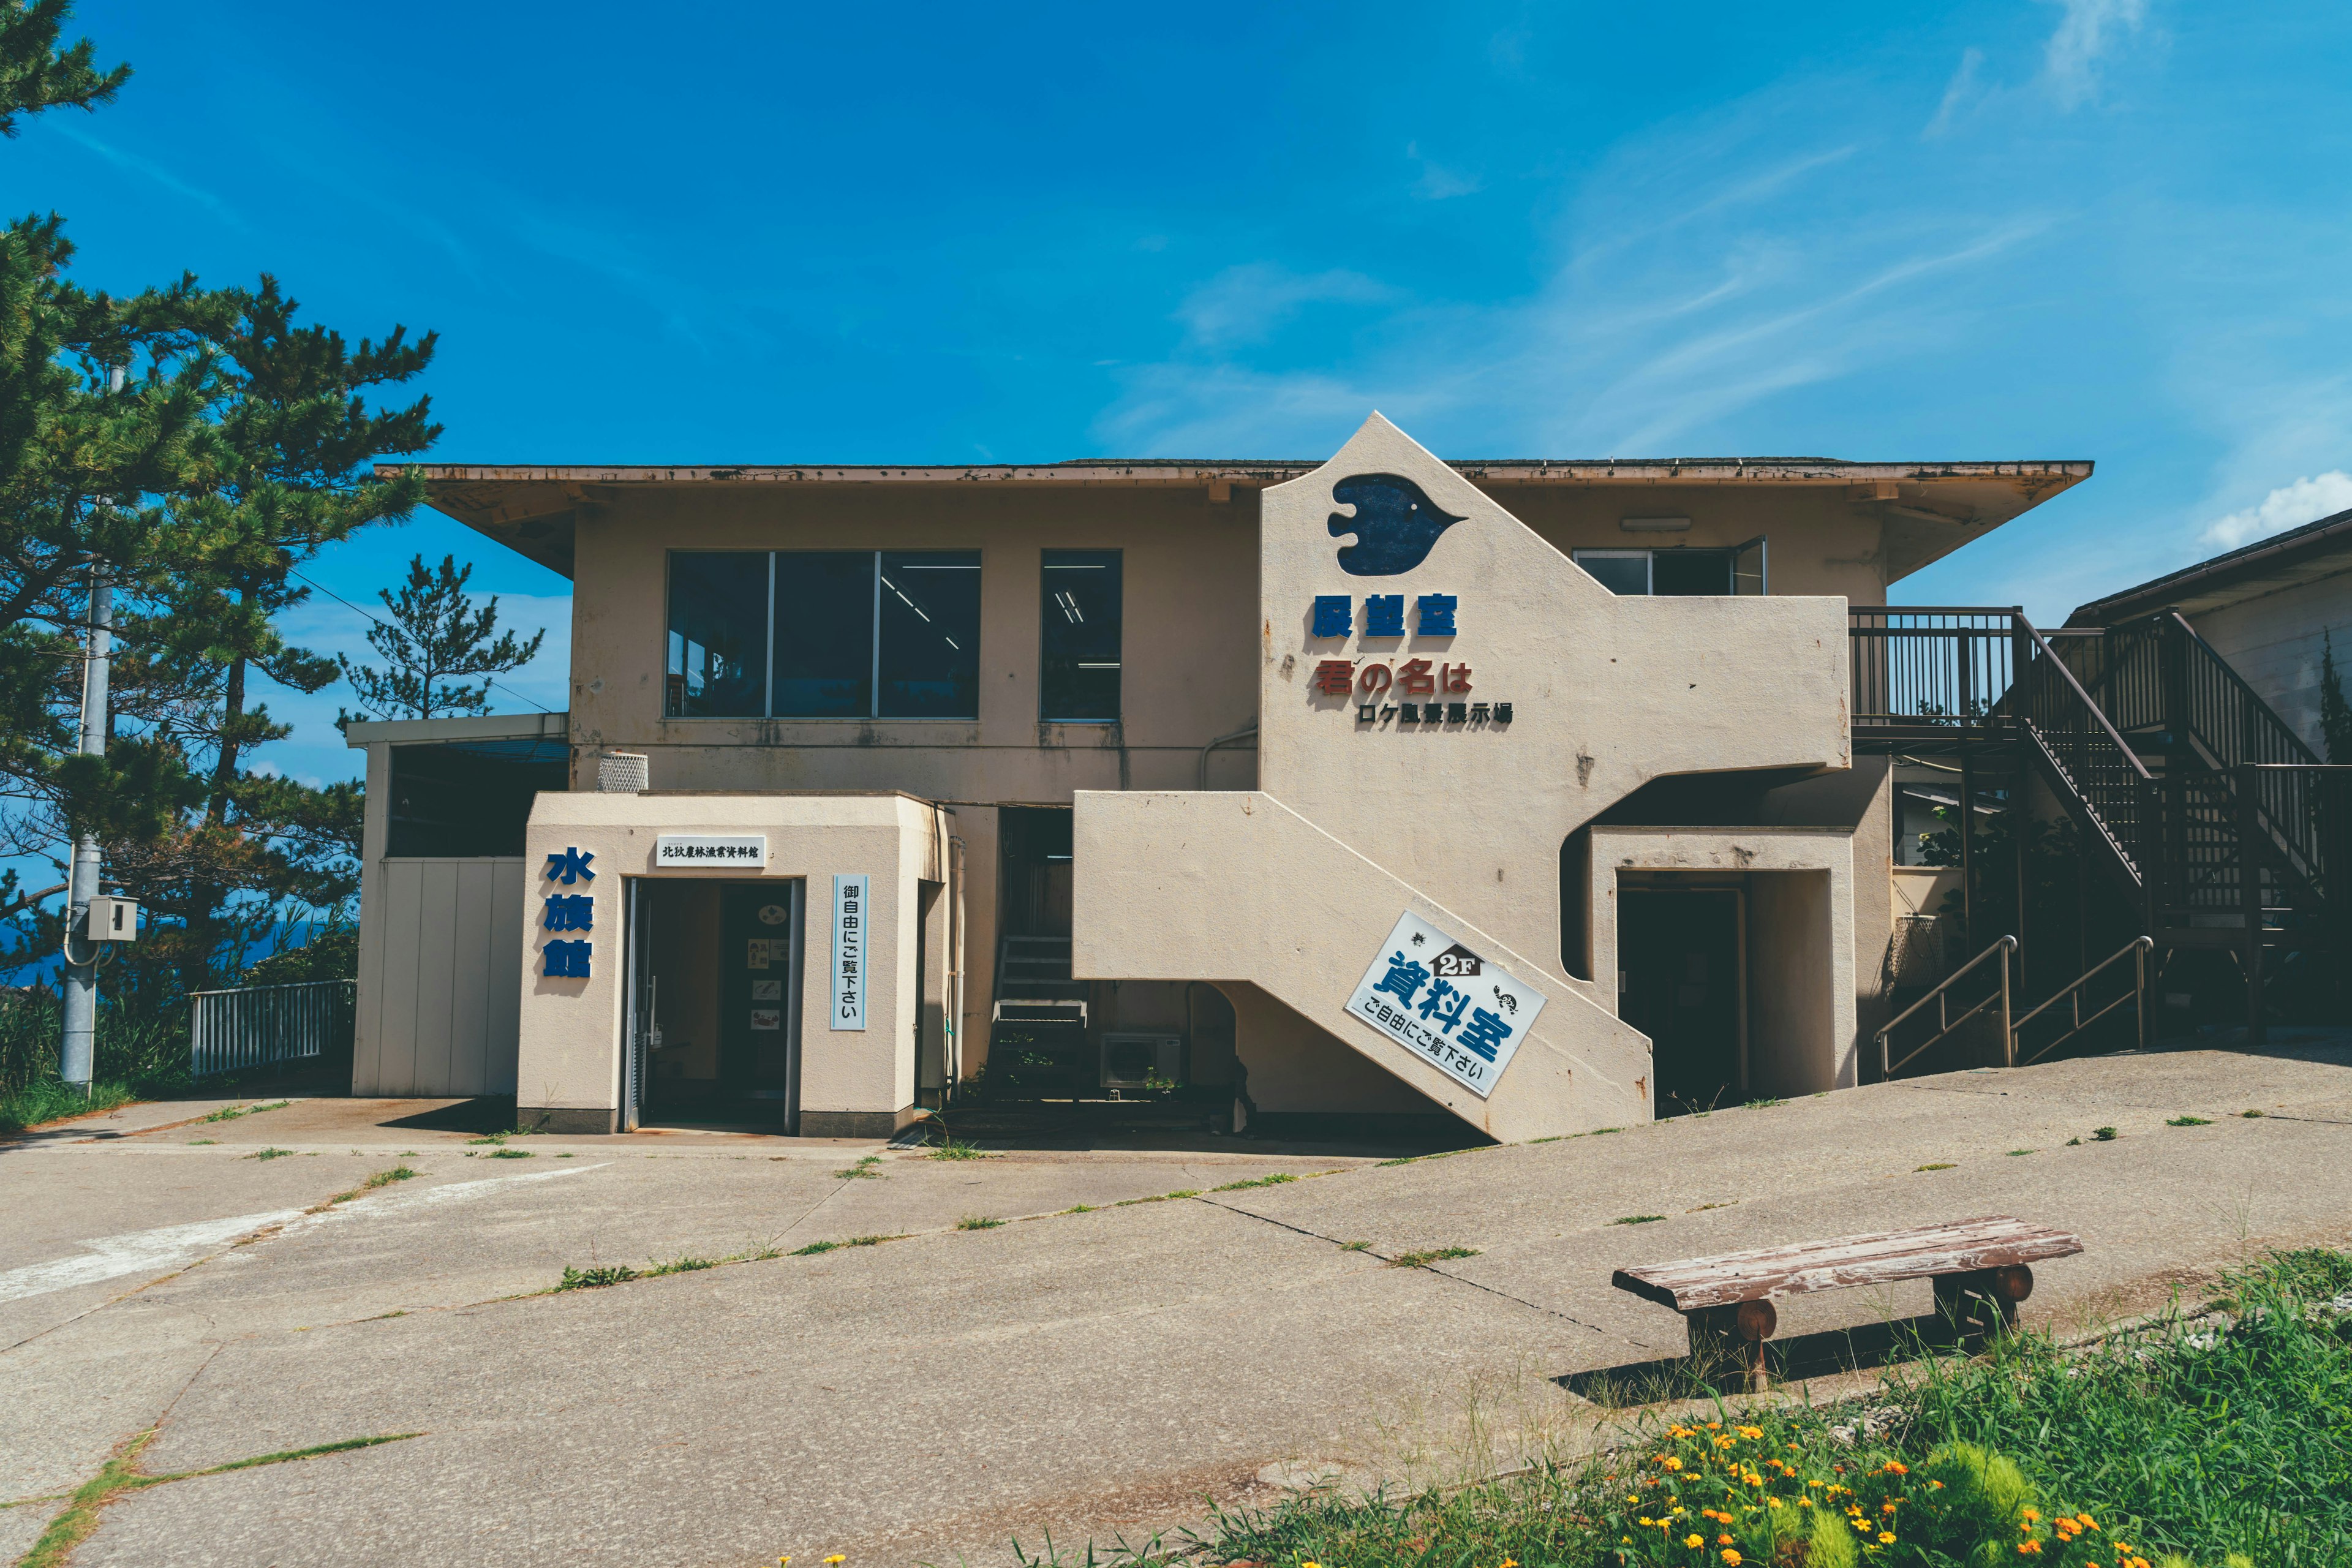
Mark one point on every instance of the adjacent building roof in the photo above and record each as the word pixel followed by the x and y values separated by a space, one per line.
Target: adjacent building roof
pixel 533 507
pixel 2317 550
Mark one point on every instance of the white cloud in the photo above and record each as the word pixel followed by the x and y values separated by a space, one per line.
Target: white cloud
pixel 1243 304
pixel 2290 506
pixel 1437 182
pixel 2086 33
pixel 1957 94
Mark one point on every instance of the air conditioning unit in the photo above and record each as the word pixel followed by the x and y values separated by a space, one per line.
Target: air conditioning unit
pixel 1131 1057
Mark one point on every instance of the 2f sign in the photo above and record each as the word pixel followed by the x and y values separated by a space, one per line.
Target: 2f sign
pixel 850 918
pixel 1460 1012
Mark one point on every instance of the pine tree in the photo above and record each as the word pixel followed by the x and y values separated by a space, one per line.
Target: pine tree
pixel 2334 713
pixel 35 74
pixel 437 637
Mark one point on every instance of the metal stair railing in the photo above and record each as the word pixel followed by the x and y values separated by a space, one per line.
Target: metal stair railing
pixel 2138 950
pixel 1999 953
pixel 2083 746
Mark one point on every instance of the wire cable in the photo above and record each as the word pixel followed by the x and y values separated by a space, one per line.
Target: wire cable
pixel 379 620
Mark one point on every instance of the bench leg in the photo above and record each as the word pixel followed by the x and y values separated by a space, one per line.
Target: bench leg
pixel 1732 1335
pixel 1985 1302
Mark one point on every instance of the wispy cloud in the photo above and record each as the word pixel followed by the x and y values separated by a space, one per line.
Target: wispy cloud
pixel 2086 35
pixel 1958 94
pixel 1246 304
pixel 1437 182
pixel 151 170
pixel 2307 499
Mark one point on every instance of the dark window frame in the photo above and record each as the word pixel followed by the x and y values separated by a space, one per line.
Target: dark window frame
pixel 1049 561
pixel 970 560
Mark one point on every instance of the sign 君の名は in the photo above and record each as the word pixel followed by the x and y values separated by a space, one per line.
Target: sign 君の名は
pixel 849 916
pixel 1459 1012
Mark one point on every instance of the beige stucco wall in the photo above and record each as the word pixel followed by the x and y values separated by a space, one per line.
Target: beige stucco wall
pixel 2275 644
pixel 1461 823
pixel 1804 1022
pixel 571 1029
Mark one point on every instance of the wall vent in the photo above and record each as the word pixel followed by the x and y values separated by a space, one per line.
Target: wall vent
pixel 622 772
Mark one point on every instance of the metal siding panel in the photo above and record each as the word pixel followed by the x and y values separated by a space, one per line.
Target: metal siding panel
pixel 469 980
pixel 436 945
pixel 504 1042
pixel 404 882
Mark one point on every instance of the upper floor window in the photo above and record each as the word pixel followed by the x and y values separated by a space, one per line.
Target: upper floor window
pixel 821 634
pixel 1079 641
pixel 1678 571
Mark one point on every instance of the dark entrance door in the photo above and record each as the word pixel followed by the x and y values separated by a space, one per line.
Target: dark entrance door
pixel 1678 952
pixel 757 999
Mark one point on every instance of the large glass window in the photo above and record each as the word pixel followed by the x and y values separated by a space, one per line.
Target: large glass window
pixel 1081 636
pixel 717 635
pixel 824 635
pixel 928 660
pixel 1678 573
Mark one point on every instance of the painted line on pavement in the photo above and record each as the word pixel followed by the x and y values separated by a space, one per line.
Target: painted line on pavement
pixel 171 1246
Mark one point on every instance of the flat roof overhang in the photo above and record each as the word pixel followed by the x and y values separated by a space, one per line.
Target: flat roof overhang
pixel 1927 509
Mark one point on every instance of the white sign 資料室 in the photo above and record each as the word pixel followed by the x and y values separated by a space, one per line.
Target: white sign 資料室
pixel 703 850
pixel 849 926
pixel 1459 1012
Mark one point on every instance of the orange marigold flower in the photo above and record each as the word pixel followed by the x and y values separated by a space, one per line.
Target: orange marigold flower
pixel 2028 1548
pixel 1695 1541
pixel 1723 1541
pixel 1886 1538
pixel 1731 1558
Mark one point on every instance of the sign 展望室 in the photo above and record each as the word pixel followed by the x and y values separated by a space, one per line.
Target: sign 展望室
pixel 1459 1012
pixel 699 849
pixel 849 918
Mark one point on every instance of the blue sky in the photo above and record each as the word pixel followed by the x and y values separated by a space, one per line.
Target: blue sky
pixel 2113 229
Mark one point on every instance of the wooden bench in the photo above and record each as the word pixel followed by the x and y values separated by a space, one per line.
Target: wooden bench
pixel 1978 1267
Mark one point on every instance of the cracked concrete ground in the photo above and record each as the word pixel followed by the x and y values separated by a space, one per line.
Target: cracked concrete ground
pixel 928 1399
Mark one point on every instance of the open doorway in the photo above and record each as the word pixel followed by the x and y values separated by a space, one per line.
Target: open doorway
pixel 714 1003
pixel 1680 981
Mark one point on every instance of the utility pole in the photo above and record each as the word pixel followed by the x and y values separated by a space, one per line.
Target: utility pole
pixel 76 1057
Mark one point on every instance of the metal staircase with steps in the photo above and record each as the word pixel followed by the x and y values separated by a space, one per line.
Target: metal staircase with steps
pixel 2217 822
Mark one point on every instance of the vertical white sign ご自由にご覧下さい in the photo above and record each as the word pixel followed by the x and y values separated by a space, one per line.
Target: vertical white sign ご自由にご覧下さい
pixel 1461 1013
pixel 849 928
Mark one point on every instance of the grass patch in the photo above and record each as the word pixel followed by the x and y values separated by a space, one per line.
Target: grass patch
pixel 1355 1246
pixel 120 1474
pixel 948 1148
pixel 202 1142
pixel 492 1138
pixel 2188 1122
pixel 1159 1198
pixel 1638 1219
pixel 1940 1167
pixel 1764 1104
pixel 47 1100
pixel 507 1154
pixel 597 1277
pixel 2014 1152
pixel 977 1222
pixel 231 1112
pixel 381 1179
pixel 1434 1255
pixel 1081 1208
pixel 1276 1180
pixel 2202 1441
pixel 862 1170
pixel 814 1247
pixel 2250 1114
pixel 2105 1134
pixel 269 1153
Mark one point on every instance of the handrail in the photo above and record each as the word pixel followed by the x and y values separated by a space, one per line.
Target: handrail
pixel 2139 946
pixel 2095 711
pixel 2254 704
pixel 1946 1024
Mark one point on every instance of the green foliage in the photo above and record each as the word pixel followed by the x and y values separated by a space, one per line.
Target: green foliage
pixel 2334 713
pixel 437 637
pixel 142 1042
pixel 36 75
pixel 332 953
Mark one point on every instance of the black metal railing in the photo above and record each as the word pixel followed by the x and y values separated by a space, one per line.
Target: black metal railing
pixel 1930 669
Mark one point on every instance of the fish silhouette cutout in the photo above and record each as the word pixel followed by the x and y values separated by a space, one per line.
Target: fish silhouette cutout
pixel 1395 525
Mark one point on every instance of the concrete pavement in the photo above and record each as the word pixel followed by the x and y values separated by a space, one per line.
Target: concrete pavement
pixel 927 1399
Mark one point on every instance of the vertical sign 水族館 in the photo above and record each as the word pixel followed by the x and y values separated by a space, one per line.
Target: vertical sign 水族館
pixel 1459 1012
pixel 849 927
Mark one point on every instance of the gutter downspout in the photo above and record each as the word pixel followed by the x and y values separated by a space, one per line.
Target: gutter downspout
pixel 1247 731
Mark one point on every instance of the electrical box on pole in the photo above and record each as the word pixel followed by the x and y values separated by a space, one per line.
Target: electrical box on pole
pixel 112 919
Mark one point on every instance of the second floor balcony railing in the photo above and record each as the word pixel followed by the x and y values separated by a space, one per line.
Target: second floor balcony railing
pixel 1932 671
